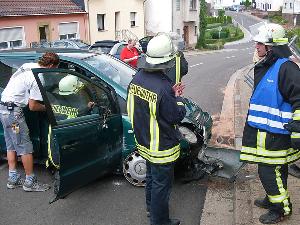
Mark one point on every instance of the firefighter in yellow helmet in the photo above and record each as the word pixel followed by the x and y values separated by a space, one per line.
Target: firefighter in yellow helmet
pixel 271 135
pixel 155 107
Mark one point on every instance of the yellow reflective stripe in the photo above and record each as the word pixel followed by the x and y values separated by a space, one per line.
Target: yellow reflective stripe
pixel 261 159
pixel 280 40
pixel 180 103
pixel 297 111
pixel 130 107
pixel 283 196
pixel 265 152
pixel 177 69
pixel 261 140
pixel 49 150
pixel 162 153
pixel 295 135
pixel 159 159
pixel 154 128
pixel 142 93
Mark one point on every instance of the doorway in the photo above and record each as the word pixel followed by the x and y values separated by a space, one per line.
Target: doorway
pixel 44 33
pixel 186 35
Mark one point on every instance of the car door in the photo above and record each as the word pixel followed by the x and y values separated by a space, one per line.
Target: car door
pixel 85 142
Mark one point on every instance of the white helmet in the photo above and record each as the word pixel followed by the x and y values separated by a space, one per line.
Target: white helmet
pixel 69 85
pixel 160 49
pixel 271 34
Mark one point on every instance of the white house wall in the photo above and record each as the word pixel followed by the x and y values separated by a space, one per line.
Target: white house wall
pixel 275 4
pixel 291 6
pixel 109 8
pixel 158 16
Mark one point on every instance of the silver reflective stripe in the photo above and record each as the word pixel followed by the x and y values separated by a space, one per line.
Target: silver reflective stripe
pixel 265 121
pixel 273 111
pixel 264 152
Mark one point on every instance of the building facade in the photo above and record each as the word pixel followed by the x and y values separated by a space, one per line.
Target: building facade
pixel 115 20
pixel 291 11
pixel 179 16
pixel 23 23
pixel 269 5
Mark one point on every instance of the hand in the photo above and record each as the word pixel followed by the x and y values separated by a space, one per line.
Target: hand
pixel 178 89
pixel 91 105
pixel 135 57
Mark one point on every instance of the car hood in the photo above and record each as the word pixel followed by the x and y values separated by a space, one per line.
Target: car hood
pixel 195 115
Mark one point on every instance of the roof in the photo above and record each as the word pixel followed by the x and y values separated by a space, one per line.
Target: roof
pixel 38 7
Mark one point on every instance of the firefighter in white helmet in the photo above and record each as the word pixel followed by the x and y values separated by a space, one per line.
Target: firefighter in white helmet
pixel 271 135
pixel 155 107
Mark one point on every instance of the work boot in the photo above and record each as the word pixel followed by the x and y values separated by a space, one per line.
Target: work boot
pixel 294 170
pixel 271 217
pixel 262 203
pixel 173 222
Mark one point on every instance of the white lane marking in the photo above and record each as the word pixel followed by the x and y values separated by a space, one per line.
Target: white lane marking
pixel 3 166
pixel 198 64
pixel 229 57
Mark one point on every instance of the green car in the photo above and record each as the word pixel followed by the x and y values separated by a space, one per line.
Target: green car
pixel 82 144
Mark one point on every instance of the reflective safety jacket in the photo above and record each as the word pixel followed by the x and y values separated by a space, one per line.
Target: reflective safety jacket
pixel 268 110
pixel 154 112
pixel 260 145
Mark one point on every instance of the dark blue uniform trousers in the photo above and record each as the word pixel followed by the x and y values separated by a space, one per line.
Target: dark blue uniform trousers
pixel 159 179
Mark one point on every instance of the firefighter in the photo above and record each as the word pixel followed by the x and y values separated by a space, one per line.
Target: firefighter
pixel 155 107
pixel 72 99
pixel 271 133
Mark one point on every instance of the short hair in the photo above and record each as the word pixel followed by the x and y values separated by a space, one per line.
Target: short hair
pixel 49 58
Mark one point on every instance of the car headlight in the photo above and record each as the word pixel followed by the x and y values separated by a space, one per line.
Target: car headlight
pixel 189 135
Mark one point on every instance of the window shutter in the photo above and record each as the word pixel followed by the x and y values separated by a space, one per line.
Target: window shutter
pixel 11 34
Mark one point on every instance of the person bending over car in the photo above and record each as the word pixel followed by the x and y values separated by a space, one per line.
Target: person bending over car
pixel 22 90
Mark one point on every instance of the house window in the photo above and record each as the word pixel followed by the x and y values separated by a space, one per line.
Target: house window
pixel 100 21
pixel 11 38
pixel 68 30
pixel 291 5
pixel 270 6
pixel 285 5
pixel 193 5
pixel 177 5
pixel 196 30
pixel 178 31
pixel 133 19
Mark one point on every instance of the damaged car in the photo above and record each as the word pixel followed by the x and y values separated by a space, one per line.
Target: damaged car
pixel 81 143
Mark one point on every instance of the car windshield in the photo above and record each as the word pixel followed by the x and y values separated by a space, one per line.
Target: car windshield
pixel 82 45
pixel 112 68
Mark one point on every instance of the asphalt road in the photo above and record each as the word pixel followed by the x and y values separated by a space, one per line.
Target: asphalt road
pixel 112 200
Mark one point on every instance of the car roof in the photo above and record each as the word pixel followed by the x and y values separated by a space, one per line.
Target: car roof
pixel 43 50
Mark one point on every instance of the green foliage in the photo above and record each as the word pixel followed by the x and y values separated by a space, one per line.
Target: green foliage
pixel 246 3
pixel 219 19
pixel 221 13
pixel 277 19
pixel 292 32
pixel 213 25
pixel 224 33
pixel 202 25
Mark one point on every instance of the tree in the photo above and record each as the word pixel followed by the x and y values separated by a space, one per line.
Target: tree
pixel 202 24
pixel 246 3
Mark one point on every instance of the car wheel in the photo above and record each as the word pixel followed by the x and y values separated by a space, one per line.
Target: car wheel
pixel 134 169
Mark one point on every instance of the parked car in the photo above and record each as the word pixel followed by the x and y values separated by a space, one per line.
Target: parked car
pixel 69 43
pixel 101 141
pixel 176 38
pixel 109 46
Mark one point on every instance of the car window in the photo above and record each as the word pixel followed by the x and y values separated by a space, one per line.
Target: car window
pixel 120 48
pixel 69 96
pixel 60 45
pixel 8 67
pixel 118 72
pixel 101 49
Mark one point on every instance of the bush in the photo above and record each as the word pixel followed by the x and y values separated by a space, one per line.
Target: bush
pixel 215 34
pixel 221 12
pixel 292 32
pixel 214 46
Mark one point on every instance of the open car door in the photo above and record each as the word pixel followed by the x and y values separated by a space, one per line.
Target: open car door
pixel 85 131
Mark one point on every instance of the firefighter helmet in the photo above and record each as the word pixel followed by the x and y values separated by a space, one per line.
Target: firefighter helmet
pixel 270 34
pixel 69 85
pixel 160 49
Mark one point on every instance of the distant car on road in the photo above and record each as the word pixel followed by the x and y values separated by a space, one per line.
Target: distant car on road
pixel 69 43
pixel 111 47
